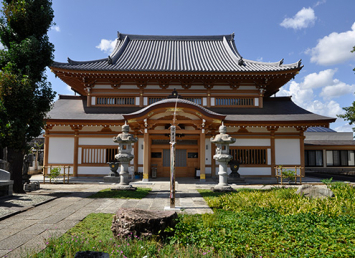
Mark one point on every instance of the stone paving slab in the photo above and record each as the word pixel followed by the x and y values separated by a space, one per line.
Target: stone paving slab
pixel 31 229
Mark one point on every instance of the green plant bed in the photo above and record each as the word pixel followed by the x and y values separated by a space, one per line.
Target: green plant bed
pixel 108 193
pixel 94 234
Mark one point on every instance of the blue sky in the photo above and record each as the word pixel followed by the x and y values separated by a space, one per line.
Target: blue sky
pixel 321 33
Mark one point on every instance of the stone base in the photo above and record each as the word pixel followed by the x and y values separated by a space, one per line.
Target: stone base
pixel 236 180
pixel 167 208
pixel 123 188
pixel 32 186
pixel 222 189
pixel 111 179
pixel 6 187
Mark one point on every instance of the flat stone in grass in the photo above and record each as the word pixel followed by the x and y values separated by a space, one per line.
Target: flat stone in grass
pixel 123 188
pixel 314 192
pixel 91 254
pixel 131 222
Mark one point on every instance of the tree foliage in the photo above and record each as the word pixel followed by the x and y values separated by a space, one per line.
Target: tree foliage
pixel 349 111
pixel 25 94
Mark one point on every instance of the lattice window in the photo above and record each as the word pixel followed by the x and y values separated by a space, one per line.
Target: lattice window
pixel 249 156
pixel 234 101
pixel 198 101
pixel 154 99
pixel 117 101
pixel 98 155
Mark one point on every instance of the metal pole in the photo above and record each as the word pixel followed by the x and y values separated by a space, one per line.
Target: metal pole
pixel 172 166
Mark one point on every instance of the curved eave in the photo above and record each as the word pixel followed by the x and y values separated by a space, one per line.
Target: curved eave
pixel 171 103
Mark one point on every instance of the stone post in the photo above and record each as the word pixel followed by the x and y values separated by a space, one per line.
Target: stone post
pixel 124 156
pixel 222 156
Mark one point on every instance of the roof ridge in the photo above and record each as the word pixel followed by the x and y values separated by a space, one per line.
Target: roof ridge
pixel 174 37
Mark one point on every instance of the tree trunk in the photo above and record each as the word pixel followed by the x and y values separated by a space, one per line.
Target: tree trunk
pixel 15 158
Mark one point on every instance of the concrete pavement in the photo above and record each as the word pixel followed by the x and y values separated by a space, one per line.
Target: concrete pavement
pixel 29 230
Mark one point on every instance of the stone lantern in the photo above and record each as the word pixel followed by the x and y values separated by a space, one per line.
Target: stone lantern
pixel 222 156
pixel 124 156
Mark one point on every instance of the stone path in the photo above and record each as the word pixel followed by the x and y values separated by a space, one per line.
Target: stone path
pixel 29 230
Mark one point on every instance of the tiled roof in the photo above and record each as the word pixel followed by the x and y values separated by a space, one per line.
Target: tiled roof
pixel 275 109
pixel 329 142
pixel 176 53
pixel 320 130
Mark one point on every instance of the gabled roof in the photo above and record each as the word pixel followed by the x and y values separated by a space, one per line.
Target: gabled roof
pixel 176 54
pixel 280 110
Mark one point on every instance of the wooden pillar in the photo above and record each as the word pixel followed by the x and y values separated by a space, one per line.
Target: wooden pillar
pixel 135 160
pixel 88 100
pixel 146 159
pixel 202 156
pixel 213 161
pixel 141 98
pixel 272 130
pixel 46 152
pixel 76 150
pixel 208 98
pixel 302 137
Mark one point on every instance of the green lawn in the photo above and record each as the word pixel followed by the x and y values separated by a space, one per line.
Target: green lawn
pixel 108 193
pixel 245 223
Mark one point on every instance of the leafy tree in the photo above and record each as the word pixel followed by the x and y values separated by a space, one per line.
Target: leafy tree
pixel 25 94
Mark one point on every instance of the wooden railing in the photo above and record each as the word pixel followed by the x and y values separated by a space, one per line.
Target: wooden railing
pixel 65 174
pixel 290 173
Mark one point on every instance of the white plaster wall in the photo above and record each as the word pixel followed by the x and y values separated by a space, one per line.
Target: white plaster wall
pixel 93 170
pixel 97 141
pixel 197 87
pixel 257 129
pixel 93 101
pixel 61 150
pixel 251 142
pixel 208 171
pixel 137 101
pixel 287 130
pixel 208 152
pixel 153 87
pixel 247 88
pixel 102 87
pixel 287 152
pixel 145 101
pixel 269 156
pixel 212 101
pixel 250 171
pixel 256 102
pixel 204 101
pixel 140 151
pixel 62 129
pixel 79 154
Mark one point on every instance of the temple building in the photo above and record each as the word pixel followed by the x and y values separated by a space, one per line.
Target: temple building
pixel 204 81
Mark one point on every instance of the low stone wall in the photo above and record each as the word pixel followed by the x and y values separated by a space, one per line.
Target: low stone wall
pixel 6 185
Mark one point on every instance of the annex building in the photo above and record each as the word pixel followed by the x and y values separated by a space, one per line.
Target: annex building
pixel 208 82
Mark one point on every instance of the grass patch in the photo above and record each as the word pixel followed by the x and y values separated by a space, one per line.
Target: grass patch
pixel 245 223
pixel 108 193
pixel 94 234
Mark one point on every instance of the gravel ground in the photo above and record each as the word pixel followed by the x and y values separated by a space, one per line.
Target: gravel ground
pixel 20 202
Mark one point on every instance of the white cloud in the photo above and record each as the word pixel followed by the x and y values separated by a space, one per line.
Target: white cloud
pixel 107 45
pixel 56 28
pixel 334 48
pixel 337 89
pixel 328 108
pixel 317 80
pixel 303 19
pixel 344 128
pixel 303 93
pixel 320 2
